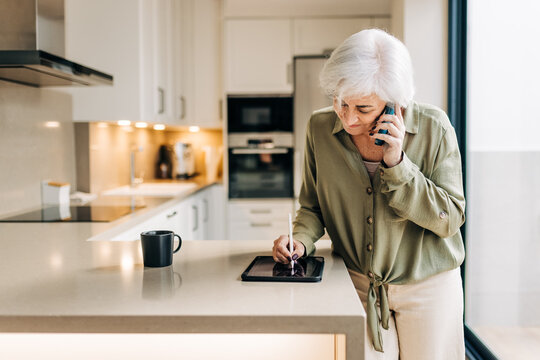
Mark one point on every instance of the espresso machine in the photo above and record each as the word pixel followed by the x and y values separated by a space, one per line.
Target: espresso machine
pixel 183 160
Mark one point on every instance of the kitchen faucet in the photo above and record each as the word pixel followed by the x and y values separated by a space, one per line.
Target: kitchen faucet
pixel 134 181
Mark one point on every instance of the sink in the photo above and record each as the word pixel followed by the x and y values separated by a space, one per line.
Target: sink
pixel 152 189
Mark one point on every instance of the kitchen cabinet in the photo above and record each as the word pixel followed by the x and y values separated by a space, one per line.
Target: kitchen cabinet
pixel 258 56
pixel 173 218
pixel 315 36
pixel 133 40
pixel 197 217
pixel 205 214
pixel 259 52
pixel 258 219
pixel 197 206
pixel 198 81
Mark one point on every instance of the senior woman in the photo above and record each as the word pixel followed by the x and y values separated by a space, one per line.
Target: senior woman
pixel 393 212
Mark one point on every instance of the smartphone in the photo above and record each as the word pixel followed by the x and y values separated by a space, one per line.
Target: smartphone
pixel 388 109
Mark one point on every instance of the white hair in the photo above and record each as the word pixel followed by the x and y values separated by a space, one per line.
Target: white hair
pixel 370 62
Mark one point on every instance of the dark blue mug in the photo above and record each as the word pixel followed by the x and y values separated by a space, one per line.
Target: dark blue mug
pixel 157 247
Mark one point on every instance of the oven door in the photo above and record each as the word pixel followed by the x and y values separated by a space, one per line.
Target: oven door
pixel 260 173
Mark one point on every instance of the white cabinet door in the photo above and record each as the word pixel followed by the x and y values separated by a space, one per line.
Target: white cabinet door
pixel 172 219
pixel 204 214
pixel 200 89
pixel 204 202
pixel 97 37
pixel 132 40
pixel 216 216
pixel 315 36
pixel 162 57
pixel 258 56
pixel 195 218
pixel 198 217
pixel 169 219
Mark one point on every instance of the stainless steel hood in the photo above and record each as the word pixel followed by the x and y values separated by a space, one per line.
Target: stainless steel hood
pixel 32 46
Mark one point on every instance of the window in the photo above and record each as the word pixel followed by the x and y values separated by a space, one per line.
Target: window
pixel 502 276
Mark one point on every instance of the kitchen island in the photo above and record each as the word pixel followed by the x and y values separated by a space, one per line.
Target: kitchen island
pixel 52 280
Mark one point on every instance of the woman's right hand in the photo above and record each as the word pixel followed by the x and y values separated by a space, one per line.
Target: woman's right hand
pixel 281 252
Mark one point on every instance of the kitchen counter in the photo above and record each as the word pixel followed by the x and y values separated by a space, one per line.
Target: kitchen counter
pixel 53 280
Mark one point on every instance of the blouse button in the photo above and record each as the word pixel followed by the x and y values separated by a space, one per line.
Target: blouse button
pixel 369 220
pixel 382 172
pixel 442 215
pixel 370 274
pixel 369 247
pixel 369 190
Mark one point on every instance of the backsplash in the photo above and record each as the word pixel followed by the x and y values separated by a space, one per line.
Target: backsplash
pixel 36 143
pixel 103 152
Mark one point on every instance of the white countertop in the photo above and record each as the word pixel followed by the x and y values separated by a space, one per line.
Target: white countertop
pixel 53 280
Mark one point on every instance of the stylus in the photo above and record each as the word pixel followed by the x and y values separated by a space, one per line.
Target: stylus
pixel 291 246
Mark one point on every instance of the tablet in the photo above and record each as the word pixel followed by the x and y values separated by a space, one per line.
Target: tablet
pixel 264 268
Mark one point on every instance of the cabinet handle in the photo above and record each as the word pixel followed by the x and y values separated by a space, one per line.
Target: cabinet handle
pixel 183 106
pixel 205 202
pixel 171 214
pixel 289 73
pixel 161 93
pixel 260 211
pixel 196 222
pixel 244 151
pixel 260 224
pixel 221 109
pixel 178 108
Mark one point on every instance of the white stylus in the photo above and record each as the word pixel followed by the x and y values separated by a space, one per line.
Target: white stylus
pixel 291 246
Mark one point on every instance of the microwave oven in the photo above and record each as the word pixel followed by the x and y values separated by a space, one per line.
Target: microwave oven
pixel 259 114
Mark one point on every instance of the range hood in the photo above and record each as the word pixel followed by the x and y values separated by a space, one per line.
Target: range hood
pixel 32 46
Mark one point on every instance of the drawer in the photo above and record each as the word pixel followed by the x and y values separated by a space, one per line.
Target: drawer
pixel 257 230
pixel 260 211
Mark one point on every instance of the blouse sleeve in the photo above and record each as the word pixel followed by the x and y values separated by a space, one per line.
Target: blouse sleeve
pixel 436 203
pixel 309 225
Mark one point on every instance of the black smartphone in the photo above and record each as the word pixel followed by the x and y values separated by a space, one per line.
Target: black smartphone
pixel 388 109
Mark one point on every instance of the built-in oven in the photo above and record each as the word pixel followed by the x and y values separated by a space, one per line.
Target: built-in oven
pixel 260 166
pixel 259 114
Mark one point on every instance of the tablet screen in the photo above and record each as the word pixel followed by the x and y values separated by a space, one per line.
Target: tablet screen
pixel 264 268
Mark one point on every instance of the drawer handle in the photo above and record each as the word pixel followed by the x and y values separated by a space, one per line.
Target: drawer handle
pixel 260 224
pixel 260 211
pixel 171 214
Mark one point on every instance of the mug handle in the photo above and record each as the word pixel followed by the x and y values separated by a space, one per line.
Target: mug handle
pixel 179 243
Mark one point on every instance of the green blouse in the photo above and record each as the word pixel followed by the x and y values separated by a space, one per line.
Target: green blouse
pixel 398 228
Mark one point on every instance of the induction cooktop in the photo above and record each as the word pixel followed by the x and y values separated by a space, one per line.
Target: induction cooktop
pixel 86 213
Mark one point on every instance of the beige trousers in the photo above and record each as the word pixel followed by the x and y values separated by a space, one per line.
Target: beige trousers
pixel 426 321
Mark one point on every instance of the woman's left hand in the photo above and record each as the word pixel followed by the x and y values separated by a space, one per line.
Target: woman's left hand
pixel 393 141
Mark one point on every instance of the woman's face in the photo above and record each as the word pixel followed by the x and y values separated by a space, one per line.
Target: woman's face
pixel 358 113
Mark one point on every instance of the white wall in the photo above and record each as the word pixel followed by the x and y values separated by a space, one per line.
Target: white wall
pixel 423 26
